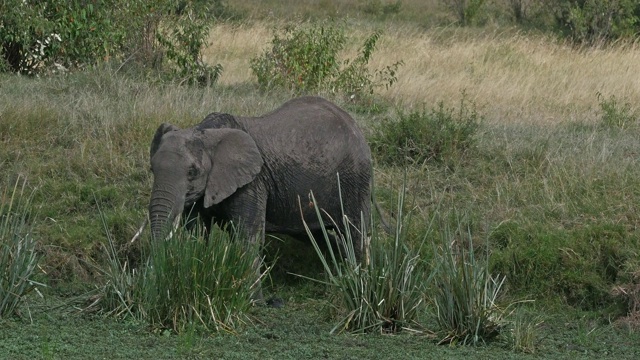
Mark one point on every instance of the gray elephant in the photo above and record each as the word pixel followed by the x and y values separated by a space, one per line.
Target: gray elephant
pixel 259 171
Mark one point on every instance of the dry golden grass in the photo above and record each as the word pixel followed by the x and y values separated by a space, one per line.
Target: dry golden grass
pixel 514 77
pixel 234 46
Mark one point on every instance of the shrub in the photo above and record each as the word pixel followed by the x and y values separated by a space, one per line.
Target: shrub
pixel 594 21
pixel 18 257
pixel 440 135
pixel 69 33
pixel 385 292
pixel 520 8
pixel 380 9
pixel 25 35
pixel 183 40
pixel 301 59
pixel 356 80
pixel 37 36
pixel 615 115
pixel 466 11
pixel 305 59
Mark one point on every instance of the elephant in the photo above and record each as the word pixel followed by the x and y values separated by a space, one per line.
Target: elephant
pixel 259 172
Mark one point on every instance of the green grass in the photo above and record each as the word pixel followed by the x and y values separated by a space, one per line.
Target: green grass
pixel 298 331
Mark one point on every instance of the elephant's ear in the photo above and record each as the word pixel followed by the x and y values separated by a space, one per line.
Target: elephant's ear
pixel 162 129
pixel 235 159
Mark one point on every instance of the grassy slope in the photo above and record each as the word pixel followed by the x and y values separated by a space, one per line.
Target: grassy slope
pixel 555 191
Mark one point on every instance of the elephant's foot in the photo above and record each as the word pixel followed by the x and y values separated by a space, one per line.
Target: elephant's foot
pixel 275 302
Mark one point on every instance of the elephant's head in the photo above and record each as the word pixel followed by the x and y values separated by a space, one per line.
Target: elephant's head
pixel 197 163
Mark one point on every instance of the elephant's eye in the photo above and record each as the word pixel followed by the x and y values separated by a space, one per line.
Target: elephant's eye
pixel 193 171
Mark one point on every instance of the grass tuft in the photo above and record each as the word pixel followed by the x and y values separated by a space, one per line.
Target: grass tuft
pixel 629 292
pixel 523 335
pixel 382 293
pixel 190 279
pixel 121 290
pixel 465 294
pixel 187 280
pixel 18 257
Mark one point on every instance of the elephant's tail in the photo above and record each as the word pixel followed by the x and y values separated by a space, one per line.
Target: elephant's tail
pixel 382 215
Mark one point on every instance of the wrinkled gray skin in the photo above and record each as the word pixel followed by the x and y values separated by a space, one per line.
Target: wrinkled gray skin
pixel 256 171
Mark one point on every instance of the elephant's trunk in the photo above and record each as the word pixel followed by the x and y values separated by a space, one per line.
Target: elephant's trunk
pixel 164 207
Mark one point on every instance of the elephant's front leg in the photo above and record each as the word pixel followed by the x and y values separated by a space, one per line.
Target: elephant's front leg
pixel 247 210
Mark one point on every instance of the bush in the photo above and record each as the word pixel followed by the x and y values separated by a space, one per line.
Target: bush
pixel 380 9
pixel 37 36
pixel 18 258
pixel 439 135
pixel 301 59
pixel 595 21
pixel 305 59
pixel 466 11
pixel 183 43
pixel 615 115
pixel 519 9
pixel 385 292
pixel 355 80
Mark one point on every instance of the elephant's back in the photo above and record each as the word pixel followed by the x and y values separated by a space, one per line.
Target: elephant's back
pixel 309 130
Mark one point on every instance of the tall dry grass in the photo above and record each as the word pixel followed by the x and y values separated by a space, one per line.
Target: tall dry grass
pixel 410 10
pixel 514 77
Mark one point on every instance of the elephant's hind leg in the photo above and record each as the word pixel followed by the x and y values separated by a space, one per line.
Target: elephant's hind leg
pixel 358 211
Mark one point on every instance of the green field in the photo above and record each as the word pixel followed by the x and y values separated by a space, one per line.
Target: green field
pixel 549 187
pixel 298 331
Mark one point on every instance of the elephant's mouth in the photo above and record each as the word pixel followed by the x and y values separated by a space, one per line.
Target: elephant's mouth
pixel 191 206
pixel 174 228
